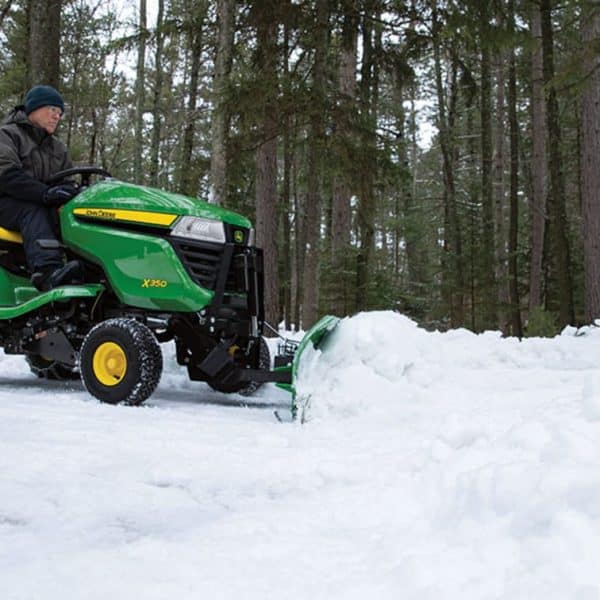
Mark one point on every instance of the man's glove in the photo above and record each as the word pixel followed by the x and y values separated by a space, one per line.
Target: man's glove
pixel 57 195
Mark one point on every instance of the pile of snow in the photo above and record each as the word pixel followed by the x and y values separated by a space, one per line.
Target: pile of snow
pixel 386 356
pixel 430 465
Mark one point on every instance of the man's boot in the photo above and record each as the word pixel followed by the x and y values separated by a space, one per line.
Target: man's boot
pixel 57 275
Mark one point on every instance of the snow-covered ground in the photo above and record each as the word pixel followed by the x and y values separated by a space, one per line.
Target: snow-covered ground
pixel 430 466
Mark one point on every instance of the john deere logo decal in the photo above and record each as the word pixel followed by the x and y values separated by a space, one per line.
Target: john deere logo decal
pixel 238 236
pixel 99 213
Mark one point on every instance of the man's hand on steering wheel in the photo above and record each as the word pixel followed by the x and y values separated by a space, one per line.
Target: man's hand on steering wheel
pixel 60 189
pixel 57 195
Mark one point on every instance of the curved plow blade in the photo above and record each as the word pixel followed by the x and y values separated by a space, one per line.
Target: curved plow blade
pixel 313 340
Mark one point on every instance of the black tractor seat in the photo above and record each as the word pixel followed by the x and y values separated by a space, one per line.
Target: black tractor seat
pixel 12 257
pixel 10 236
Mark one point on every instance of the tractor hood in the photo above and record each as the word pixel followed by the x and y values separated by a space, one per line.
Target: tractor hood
pixel 114 200
pixel 148 242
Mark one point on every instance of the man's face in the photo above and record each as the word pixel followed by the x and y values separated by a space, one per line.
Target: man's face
pixel 46 117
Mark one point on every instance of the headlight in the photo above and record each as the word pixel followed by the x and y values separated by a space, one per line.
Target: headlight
pixel 197 228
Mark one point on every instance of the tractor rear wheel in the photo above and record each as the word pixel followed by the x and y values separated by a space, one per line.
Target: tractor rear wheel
pixel 120 361
pixel 46 368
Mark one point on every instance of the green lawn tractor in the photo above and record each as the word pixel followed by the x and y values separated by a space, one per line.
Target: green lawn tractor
pixel 158 266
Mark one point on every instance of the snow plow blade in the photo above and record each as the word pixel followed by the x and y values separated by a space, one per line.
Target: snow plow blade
pixel 314 338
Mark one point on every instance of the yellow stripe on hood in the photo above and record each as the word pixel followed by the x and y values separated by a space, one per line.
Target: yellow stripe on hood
pixel 131 216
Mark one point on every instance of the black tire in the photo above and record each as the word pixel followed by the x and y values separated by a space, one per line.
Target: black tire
pixel 120 362
pixel 50 369
pixel 246 388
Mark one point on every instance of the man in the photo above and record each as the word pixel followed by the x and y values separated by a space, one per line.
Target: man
pixel 29 156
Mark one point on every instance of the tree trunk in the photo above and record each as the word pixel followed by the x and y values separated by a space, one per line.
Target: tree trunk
pixel 501 275
pixel 452 259
pixel 218 163
pixel 411 233
pixel 590 33
pixel 169 145
pixel 44 42
pixel 342 191
pixel 156 103
pixel 140 85
pixel 559 295
pixel 266 160
pixel 285 298
pixel 417 264
pixel 539 163
pixel 513 289
pixel 300 247
pixel 489 295
pixel 93 138
pixel 366 209
pixel 310 295
pixel 474 213
pixel 187 183
pixel 285 211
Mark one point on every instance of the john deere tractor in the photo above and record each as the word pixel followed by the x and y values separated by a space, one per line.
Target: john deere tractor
pixel 158 266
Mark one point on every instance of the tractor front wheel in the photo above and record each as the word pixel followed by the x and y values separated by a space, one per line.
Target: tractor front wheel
pixel 120 361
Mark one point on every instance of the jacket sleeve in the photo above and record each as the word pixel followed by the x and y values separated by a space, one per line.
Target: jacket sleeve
pixel 14 181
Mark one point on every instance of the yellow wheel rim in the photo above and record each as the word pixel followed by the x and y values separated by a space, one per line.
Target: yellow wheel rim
pixel 109 363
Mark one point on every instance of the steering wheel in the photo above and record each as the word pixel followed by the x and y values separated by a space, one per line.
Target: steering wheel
pixel 84 171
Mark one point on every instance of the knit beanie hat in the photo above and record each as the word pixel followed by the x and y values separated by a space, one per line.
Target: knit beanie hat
pixel 43 95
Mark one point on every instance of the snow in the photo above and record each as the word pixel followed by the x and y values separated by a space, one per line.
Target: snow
pixel 429 465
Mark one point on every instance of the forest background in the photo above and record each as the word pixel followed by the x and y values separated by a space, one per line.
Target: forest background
pixel 307 115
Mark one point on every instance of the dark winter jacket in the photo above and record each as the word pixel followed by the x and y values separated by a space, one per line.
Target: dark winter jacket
pixel 29 156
